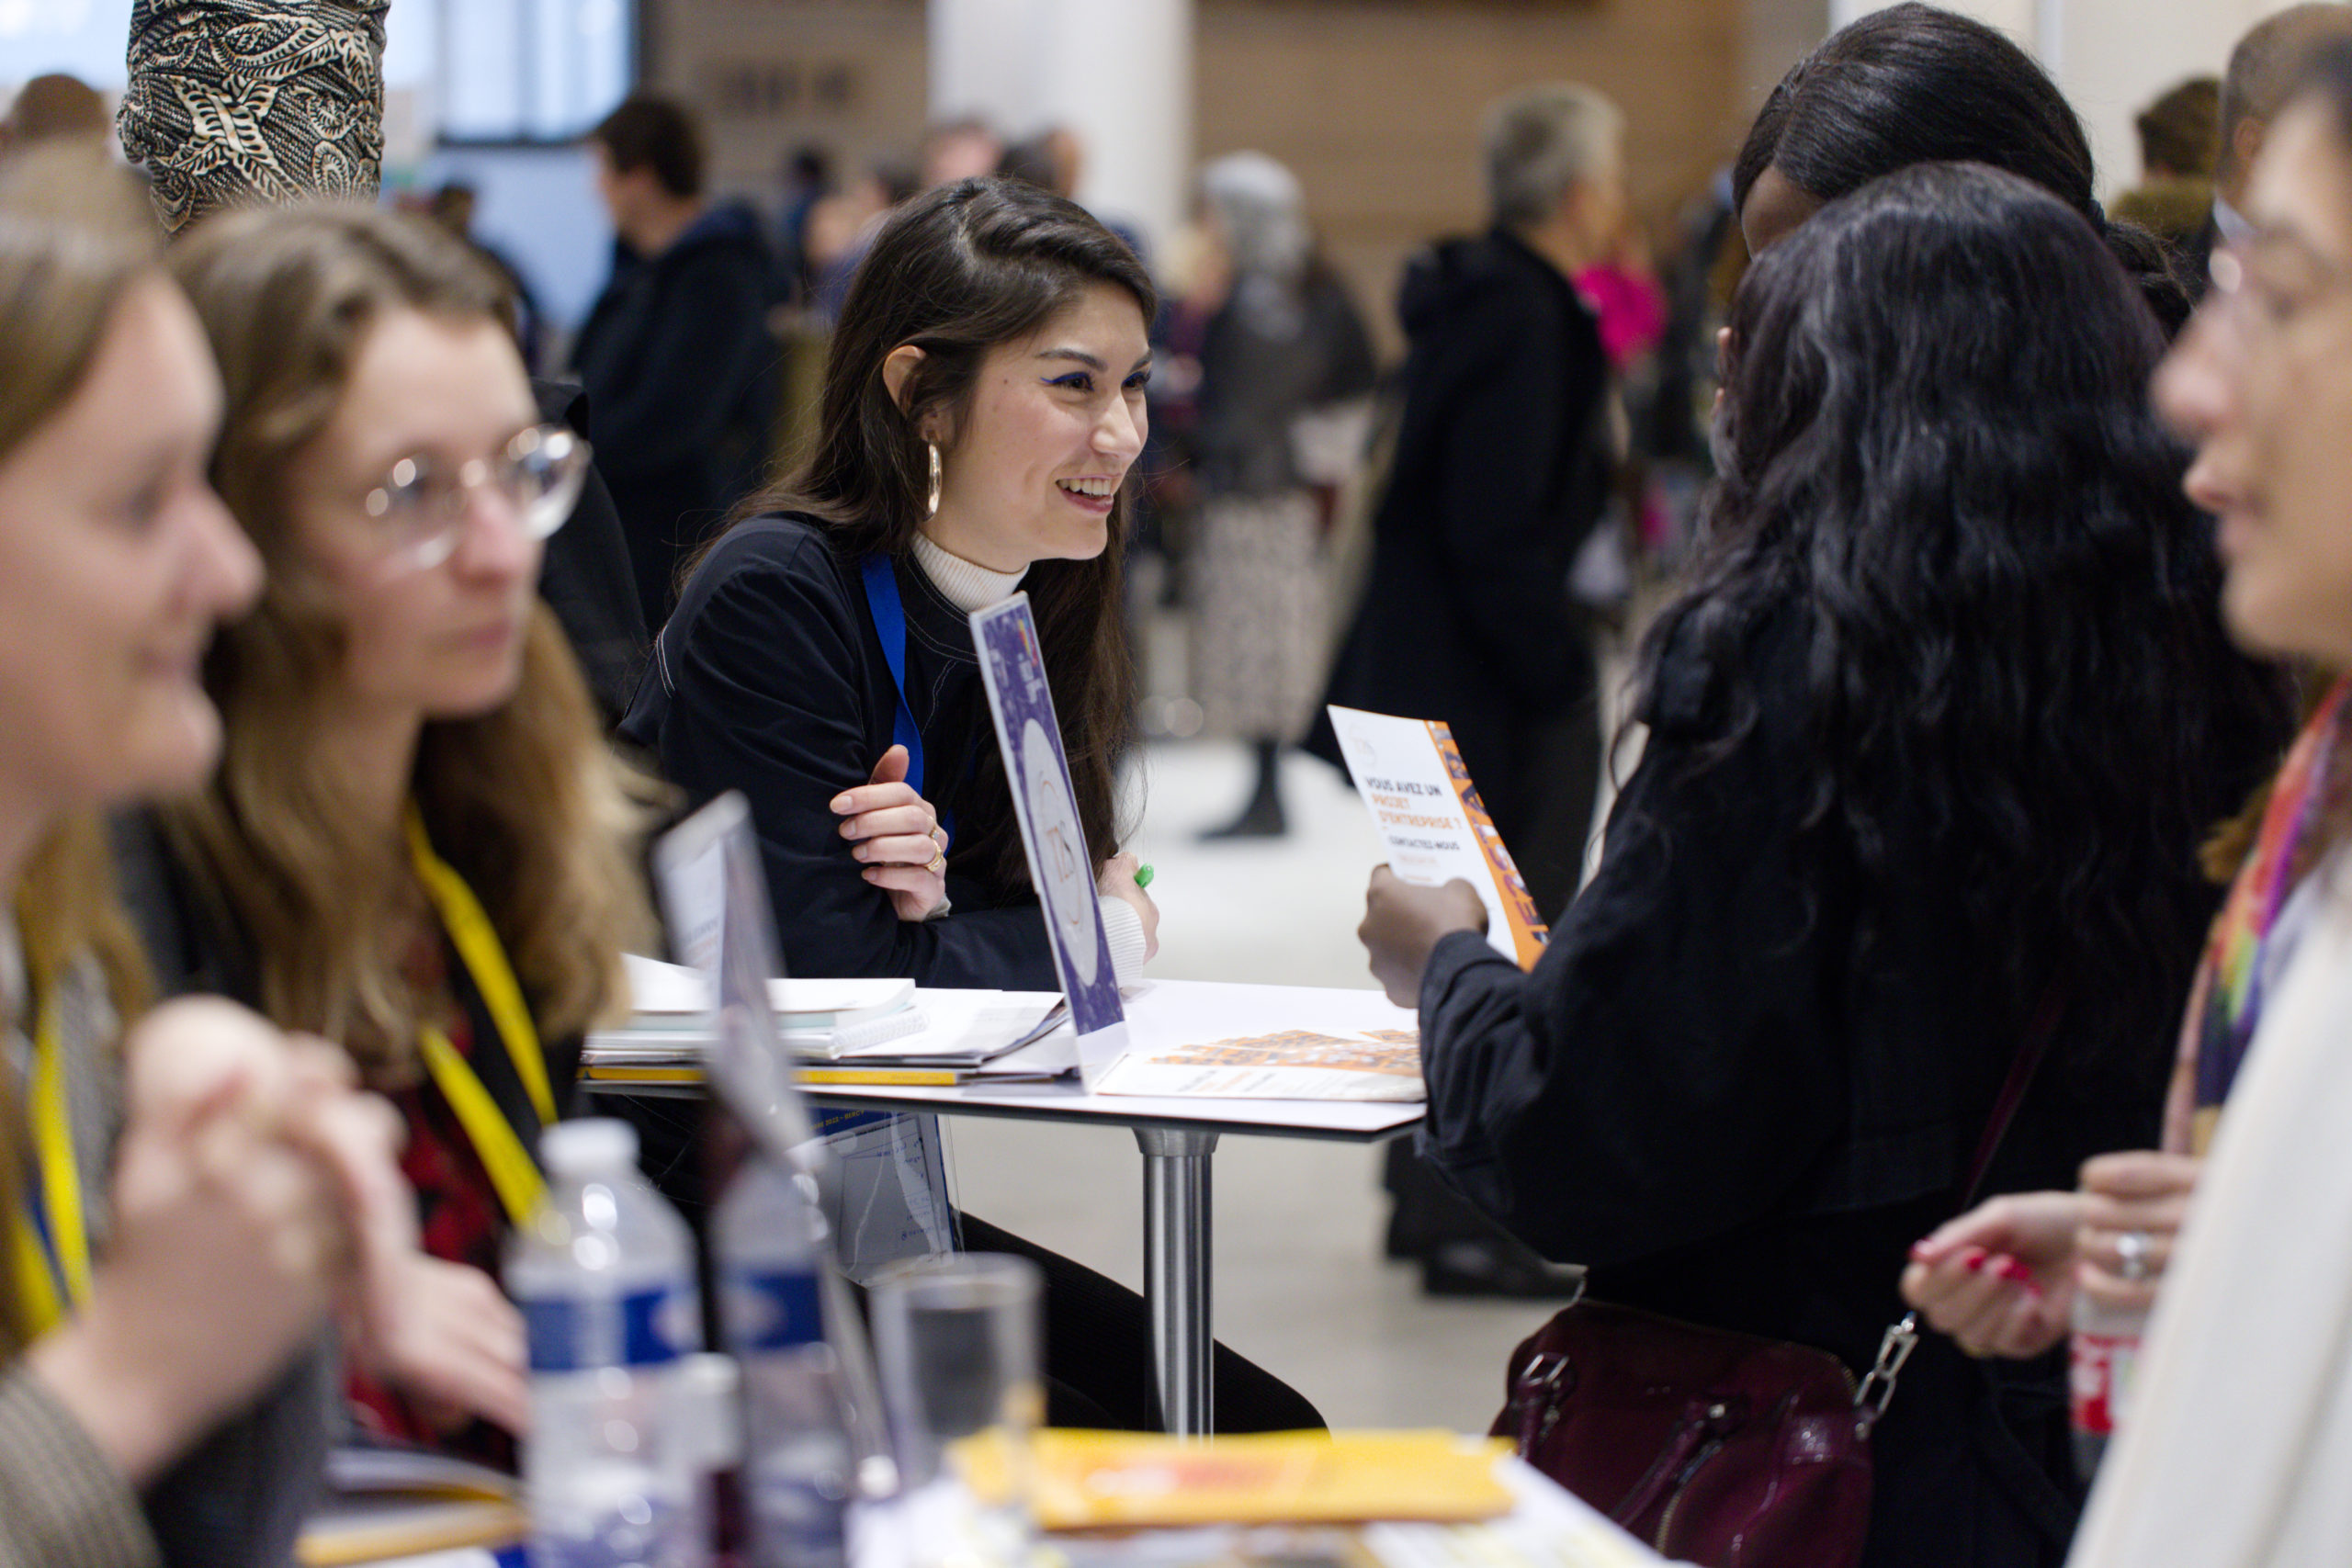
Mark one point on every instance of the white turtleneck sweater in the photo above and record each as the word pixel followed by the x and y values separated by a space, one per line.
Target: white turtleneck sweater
pixel 970 586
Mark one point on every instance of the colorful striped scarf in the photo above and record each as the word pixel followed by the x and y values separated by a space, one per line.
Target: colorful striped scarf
pixel 2250 943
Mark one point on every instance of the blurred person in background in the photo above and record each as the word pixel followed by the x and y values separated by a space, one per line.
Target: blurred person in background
pixel 675 356
pixel 842 224
pixel 1500 473
pixel 2180 137
pixel 2263 68
pixel 956 150
pixel 807 177
pixel 56 107
pixel 453 206
pixel 1284 361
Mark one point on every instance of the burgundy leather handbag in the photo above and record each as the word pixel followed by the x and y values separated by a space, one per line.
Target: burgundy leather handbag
pixel 1716 1447
pixel 1721 1448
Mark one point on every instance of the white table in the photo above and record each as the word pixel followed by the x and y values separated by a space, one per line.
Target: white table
pixel 1178 1137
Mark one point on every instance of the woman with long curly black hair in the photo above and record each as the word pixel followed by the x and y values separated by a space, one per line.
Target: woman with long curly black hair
pixel 1933 736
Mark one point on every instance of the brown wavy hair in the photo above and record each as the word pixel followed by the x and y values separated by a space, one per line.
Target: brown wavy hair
pixel 957 272
pixel 75 239
pixel 526 802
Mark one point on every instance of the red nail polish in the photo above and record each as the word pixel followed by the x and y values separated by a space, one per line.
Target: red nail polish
pixel 1973 1260
pixel 2016 1272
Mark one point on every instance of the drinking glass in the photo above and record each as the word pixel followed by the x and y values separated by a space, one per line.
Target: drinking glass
pixel 956 1339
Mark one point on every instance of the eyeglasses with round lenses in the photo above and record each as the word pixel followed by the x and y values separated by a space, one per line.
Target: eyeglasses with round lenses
pixel 421 506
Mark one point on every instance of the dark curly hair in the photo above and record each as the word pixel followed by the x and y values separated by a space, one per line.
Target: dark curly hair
pixel 1935 439
pixel 1916 84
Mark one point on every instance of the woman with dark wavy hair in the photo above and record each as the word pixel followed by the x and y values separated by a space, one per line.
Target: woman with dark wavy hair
pixel 1916 84
pixel 1932 736
pixel 983 402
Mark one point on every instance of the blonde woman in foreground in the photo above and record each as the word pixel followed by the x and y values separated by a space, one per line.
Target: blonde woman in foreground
pixel 182 1205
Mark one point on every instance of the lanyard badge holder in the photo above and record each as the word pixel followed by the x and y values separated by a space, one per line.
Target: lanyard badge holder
pixel 512 1171
pixel 49 1240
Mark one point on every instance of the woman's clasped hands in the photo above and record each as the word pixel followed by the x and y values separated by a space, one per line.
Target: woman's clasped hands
pixel 896 837
pixel 248 1167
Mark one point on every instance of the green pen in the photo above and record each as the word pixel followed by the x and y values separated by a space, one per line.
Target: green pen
pixel 1143 876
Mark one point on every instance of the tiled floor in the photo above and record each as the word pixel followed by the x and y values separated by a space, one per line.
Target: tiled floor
pixel 1300 1284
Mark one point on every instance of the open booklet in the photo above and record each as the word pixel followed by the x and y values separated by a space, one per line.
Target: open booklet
pixel 1236 1042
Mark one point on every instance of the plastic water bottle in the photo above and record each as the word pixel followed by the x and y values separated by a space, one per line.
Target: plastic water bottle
pixel 797 1466
pixel 605 1280
pixel 2103 1357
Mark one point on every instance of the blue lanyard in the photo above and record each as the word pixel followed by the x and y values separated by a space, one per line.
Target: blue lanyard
pixel 891 623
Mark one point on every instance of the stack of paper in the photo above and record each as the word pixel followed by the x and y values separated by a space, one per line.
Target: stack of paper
pixel 844 1032
pixel 382 1502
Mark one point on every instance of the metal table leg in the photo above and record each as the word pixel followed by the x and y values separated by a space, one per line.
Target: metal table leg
pixel 1176 1274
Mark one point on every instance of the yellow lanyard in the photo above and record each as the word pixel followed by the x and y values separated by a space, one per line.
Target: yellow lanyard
pixel 53 1279
pixel 512 1170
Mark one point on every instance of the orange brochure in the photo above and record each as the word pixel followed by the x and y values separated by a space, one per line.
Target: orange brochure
pixel 1428 812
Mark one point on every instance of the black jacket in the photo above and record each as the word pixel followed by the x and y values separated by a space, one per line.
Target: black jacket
pixel 1499 473
pixel 680 372
pixel 586 575
pixel 1699 1092
pixel 771 680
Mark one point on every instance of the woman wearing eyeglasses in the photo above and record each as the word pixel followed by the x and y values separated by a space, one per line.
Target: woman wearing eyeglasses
pixel 416 845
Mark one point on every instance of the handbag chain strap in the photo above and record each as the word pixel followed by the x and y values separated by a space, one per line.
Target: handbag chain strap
pixel 1902 1337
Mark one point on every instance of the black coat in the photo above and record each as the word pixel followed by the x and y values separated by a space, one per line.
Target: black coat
pixel 770 679
pixel 1501 472
pixel 680 371
pixel 1701 1094
pixel 586 575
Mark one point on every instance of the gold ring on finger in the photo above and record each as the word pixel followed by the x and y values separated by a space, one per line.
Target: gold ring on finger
pixel 938 866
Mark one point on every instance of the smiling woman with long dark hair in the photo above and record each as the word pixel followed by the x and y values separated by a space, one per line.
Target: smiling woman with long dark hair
pixel 1933 734
pixel 983 402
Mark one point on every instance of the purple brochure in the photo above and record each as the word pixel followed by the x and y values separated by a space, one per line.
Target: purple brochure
pixel 1038 773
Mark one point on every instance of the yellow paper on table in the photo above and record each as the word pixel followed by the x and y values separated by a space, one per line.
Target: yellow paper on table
pixel 1121 1480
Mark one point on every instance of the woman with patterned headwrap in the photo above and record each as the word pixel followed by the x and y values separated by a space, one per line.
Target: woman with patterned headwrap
pixel 233 102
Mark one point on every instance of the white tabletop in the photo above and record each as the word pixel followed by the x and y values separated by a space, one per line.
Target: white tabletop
pixel 1165 1013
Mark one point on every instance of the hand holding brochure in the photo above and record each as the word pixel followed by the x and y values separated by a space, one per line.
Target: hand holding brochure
pixel 1410 774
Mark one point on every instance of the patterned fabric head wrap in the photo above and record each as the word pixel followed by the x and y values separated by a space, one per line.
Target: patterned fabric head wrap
pixel 237 101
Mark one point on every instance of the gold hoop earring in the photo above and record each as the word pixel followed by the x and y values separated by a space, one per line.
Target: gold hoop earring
pixel 932 508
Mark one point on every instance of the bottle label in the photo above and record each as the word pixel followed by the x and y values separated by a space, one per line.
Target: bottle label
pixel 569 1333
pixel 2100 1379
pixel 773 1311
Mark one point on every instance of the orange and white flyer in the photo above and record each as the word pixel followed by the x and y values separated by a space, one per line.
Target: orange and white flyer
pixel 1410 774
